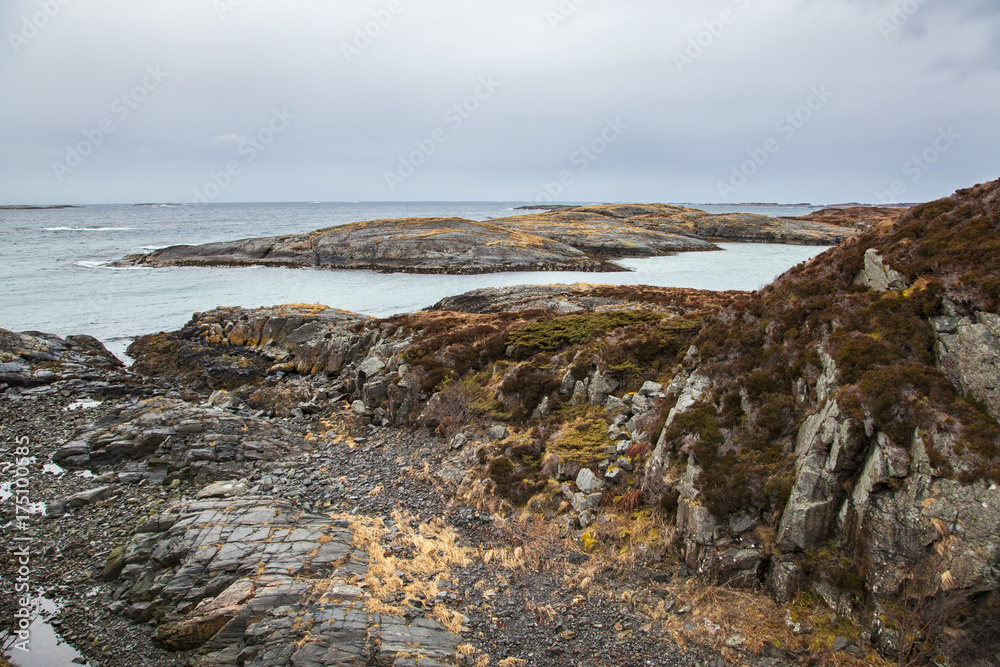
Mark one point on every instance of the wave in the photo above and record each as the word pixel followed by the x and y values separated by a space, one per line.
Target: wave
pixel 89 264
pixel 88 229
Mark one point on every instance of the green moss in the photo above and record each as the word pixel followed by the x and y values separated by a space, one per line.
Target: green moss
pixel 550 335
pixel 583 441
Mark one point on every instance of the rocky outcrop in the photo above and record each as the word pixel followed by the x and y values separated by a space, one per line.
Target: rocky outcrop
pixel 573 239
pixel 825 456
pixel 563 299
pixel 163 439
pixel 255 582
pixel 256 348
pixel 968 352
pixel 695 223
pixel 33 359
pixel 879 277
pixel 863 423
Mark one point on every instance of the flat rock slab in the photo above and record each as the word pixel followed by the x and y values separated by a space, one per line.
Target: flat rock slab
pixel 173 437
pixel 256 582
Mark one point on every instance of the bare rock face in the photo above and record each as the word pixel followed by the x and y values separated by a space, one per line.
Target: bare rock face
pixel 168 438
pixel 32 359
pixel 878 276
pixel 968 350
pixel 235 347
pixel 256 582
pixel 825 451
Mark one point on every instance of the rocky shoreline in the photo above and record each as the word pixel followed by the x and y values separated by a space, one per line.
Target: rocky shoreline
pixel 205 532
pixel 539 475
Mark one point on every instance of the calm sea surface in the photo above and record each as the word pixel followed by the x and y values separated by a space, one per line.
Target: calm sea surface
pixel 54 280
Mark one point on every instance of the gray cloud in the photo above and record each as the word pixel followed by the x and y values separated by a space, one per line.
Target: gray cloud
pixel 693 112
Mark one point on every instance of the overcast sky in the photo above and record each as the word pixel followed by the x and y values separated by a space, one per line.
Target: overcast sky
pixel 824 101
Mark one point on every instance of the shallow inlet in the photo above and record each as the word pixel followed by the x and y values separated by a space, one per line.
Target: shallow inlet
pixel 45 647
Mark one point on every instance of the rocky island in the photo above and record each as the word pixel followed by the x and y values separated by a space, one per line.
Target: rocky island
pixel 573 239
pixel 556 475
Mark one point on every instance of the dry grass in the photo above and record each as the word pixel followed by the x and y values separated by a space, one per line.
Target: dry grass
pixel 530 539
pixel 393 581
pixel 450 619
pixel 720 612
pixel 512 662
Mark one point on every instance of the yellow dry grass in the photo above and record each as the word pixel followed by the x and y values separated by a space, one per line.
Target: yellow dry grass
pixel 393 581
pixel 450 619
pixel 512 662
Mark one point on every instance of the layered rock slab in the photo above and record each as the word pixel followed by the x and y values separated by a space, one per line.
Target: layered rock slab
pixel 257 582
pixel 32 359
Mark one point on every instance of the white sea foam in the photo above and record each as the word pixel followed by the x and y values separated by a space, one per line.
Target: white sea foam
pixel 90 264
pixel 88 229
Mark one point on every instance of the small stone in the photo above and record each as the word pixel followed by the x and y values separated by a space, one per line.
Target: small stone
pixel 224 490
pixel 649 388
pixel 841 643
pixel 588 482
pixel 615 476
pixel 568 383
pixel 614 405
pixel 87 497
pixel 735 641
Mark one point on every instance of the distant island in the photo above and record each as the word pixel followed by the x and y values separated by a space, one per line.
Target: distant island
pixel 582 238
pixel 26 207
